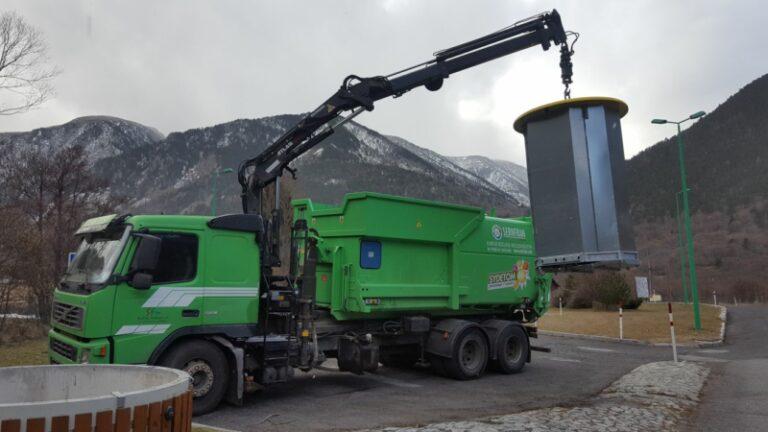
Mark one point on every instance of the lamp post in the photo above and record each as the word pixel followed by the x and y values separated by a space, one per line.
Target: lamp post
pixel 681 248
pixel 214 179
pixel 687 214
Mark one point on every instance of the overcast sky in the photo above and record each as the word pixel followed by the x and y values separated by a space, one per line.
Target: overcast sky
pixel 183 64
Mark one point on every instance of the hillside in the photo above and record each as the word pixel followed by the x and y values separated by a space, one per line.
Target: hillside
pixel 507 176
pixel 726 159
pixel 174 174
pixel 101 136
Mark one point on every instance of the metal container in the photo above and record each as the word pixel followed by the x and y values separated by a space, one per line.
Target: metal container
pixel 62 398
pixel 383 255
pixel 577 182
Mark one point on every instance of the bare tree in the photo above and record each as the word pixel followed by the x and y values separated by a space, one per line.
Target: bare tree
pixel 52 190
pixel 25 72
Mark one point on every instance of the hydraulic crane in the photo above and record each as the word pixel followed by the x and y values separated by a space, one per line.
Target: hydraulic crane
pixel 358 94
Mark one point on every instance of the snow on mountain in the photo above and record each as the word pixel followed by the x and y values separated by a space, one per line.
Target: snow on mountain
pixel 479 169
pixel 101 136
pixel 507 176
pixel 174 174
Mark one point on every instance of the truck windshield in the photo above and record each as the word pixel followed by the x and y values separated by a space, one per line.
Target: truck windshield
pixel 95 260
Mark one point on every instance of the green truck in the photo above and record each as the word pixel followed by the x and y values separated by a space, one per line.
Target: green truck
pixel 374 280
pixel 384 279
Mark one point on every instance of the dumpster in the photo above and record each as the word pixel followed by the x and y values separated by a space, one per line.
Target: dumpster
pixel 576 176
pixel 382 255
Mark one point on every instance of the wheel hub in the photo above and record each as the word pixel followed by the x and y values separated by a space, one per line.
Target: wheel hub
pixel 202 377
pixel 470 354
pixel 512 351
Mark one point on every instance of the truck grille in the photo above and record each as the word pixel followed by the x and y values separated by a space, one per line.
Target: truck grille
pixel 68 315
pixel 64 349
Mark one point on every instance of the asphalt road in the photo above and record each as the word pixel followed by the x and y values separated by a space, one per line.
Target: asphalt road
pixel 327 401
pixel 735 397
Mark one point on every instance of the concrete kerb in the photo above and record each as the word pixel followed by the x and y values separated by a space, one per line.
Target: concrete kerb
pixel 204 428
pixel 697 344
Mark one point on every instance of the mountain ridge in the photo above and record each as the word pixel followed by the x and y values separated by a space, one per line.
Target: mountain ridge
pixel 174 173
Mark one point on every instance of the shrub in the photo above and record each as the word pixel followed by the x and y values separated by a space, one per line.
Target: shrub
pixel 633 303
pixel 583 296
pixel 612 289
pixel 747 290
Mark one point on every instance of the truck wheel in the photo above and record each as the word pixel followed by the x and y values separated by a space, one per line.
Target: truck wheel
pixel 511 350
pixel 207 366
pixel 470 355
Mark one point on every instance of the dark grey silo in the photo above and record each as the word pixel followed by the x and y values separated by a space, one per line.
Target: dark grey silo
pixel 577 183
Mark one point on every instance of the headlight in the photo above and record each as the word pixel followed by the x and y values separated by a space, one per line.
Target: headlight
pixel 85 355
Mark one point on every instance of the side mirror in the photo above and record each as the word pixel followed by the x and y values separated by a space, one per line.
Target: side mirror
pixel 141 280
pixel 147 253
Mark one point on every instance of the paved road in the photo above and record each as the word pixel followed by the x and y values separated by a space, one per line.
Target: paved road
pixel 736 396
pixel 573 371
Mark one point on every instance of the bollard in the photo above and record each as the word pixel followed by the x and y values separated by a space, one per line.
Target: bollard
pixel 621 323
pixel 672 332
pixel 561 306
pixel 714 294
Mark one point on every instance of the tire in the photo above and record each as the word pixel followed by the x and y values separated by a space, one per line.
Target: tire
pixel 511 350
pixel 470 355
pixel 438 365
pixel 208 367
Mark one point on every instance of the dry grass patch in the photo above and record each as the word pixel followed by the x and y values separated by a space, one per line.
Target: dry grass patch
pixel 31 352
pixel 648 323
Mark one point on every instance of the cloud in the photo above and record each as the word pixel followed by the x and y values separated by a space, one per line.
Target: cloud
pixel 181 64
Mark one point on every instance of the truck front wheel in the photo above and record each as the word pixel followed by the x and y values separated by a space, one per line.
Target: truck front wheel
pixel 470 355
pixel 207 366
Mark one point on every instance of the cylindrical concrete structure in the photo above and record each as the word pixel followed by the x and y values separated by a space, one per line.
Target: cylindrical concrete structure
pixel 63 398
pixel 577 182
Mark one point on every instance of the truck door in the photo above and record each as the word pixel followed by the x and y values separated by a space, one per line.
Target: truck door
pixel 143 318
pixel 232 281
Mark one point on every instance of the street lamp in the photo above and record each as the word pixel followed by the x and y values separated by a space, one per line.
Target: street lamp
pixel 214 179
pixel 687 214
pixel 681 248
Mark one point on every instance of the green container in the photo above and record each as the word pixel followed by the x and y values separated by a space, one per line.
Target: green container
pixel 381 256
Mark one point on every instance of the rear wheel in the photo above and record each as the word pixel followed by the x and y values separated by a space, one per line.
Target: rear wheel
pixel 470 355
pixel 207 366
pixel 511 350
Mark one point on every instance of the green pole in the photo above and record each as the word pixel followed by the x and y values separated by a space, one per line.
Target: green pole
pixel 681 248
pixel 688 233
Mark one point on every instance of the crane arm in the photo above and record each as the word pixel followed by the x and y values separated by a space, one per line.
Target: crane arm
pixel 357 94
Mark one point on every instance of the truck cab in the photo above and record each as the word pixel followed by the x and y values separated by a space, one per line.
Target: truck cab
pixel 140 284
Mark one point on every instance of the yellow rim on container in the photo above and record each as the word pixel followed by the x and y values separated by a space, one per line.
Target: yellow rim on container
pixel 548 109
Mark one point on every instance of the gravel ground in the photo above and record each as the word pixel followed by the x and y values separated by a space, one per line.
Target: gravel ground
pixel 654 396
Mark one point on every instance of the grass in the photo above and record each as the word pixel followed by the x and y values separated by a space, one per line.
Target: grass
pixel 30 352
pixel 648 323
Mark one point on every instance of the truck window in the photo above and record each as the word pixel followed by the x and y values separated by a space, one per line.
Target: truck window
pixel 178 258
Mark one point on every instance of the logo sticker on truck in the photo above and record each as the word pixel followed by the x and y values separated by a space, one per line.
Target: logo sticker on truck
pixel 516 279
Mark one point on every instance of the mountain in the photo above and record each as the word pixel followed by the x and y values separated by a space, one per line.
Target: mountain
pixel 726 157
pixel 175 174
pixel 505 175
pixel 101 136
pixel 726 160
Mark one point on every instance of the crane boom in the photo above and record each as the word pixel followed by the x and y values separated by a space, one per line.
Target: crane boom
pixel 358 94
